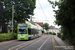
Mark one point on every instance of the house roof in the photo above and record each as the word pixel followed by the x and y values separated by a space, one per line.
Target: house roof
pixel 40 23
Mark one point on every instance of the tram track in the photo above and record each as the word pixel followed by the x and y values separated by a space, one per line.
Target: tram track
pixel 24 44
pixel 45 43
pixel 28 45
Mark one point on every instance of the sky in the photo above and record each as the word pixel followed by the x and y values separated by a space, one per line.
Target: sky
pixel 47 16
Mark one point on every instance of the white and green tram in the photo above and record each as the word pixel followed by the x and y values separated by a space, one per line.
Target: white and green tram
pixel 28 31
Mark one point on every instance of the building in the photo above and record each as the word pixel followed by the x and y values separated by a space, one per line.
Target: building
pixel 40 23
pixel 53 29
pixel 34 23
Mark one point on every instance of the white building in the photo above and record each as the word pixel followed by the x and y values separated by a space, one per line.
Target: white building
pixel 53 29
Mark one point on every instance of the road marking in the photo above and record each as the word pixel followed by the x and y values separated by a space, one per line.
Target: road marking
pixel 43 44
pixel 54 44
pixel 22 44
pixel 18 45
pixel 30 44
pixel 7 41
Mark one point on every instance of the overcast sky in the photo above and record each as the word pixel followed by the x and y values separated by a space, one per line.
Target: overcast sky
pixel 48 11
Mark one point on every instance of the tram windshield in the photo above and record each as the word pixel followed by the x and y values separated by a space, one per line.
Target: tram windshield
pixel 22 29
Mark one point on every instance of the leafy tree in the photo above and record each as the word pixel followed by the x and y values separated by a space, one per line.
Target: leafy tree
pixel 65 16
pixel 23 9
pixel 46 26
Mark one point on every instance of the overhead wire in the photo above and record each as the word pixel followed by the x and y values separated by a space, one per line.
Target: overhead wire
pixel 42 9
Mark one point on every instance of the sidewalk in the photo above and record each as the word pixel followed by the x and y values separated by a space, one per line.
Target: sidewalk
pixel 62 45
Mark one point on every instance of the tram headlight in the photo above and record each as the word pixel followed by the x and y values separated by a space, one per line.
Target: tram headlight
pixel 25 36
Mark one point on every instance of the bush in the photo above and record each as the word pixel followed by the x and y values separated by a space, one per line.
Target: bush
pixel 54 33
pixel 63 38
pixel 7 36
pixel 59 35
pixel 50 32
pixel 46 33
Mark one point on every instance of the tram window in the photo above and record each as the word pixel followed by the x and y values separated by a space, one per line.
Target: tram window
pixel 29 31
pixel 33 31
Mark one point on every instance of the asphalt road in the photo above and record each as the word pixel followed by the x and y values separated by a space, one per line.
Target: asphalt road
pixel 42 43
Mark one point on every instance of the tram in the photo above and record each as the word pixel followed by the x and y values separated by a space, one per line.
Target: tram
pixel 28 31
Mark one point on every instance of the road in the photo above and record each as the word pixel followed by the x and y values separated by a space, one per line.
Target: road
pixel 42 43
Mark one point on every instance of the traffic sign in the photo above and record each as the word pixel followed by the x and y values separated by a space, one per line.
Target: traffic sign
pixel 12 26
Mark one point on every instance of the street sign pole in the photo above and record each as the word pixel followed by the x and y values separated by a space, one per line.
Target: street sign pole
pixel 12 13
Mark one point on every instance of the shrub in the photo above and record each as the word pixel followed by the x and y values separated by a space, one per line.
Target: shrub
pixel 46 33
pixel 59 35
pixel 54 33
pixel 63 38
pixel 7 36
pixel 50 32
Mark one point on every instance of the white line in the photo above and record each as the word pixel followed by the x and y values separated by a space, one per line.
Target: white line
pixel 30 45
pixel 19 45
pixel 23 46
pixel 7 41
pixel 43 44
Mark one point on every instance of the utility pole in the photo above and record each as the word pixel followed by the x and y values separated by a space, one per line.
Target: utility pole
pixel 31 20
pixel 12 14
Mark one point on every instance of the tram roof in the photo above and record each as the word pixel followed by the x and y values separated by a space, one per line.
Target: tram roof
pixel 34 26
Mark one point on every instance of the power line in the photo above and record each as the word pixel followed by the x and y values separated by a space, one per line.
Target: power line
pixel 41 20
pixel 42 9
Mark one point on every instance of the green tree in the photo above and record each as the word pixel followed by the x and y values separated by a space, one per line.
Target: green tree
pixel 46 26
pixel 23 9
pixel 65 16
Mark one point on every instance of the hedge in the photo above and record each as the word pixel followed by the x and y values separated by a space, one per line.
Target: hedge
pixel 7 36
pixel 50 32
pixel 54 33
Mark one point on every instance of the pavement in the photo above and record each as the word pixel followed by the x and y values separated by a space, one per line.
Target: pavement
pixel 62 45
